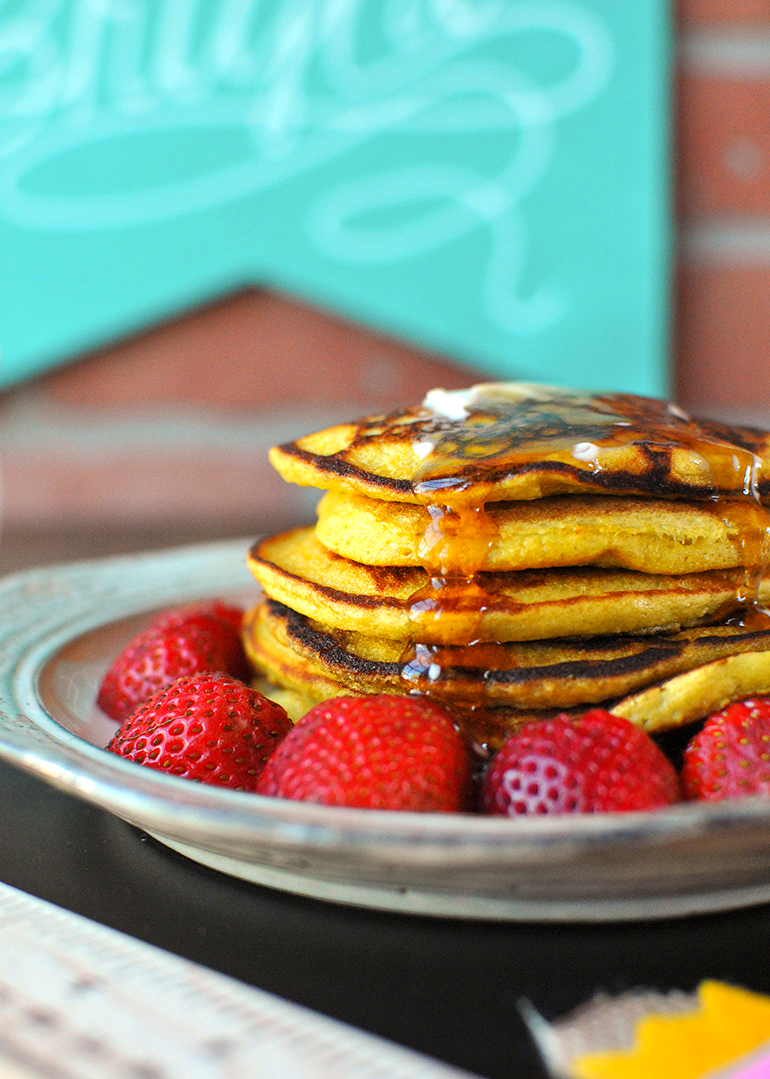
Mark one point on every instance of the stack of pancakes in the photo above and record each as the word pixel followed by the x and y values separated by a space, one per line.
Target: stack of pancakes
pixel 514 551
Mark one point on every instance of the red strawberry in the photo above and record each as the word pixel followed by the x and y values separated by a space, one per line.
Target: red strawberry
pixel 219 618
pixel 383 752
pixel 595 763
pixel 204 614
pixel 730 757
pixel 207 727
pixel 177 643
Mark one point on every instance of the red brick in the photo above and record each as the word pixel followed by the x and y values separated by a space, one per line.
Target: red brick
pixel 723 11
pixel 45 491
pixel 724 145
pixel 249 357
pixel 255 351
pixel 723 342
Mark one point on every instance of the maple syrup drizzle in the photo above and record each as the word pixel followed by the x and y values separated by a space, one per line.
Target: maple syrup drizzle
pixel 475 438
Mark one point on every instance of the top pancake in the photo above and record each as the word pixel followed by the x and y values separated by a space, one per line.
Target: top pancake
pixel 508 441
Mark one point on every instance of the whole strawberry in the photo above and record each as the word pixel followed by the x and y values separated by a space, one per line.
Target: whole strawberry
pixel 207 727
pixel 381 752
pixel 208 615
pixel 730 756
pixel 179 642
pixel 595 763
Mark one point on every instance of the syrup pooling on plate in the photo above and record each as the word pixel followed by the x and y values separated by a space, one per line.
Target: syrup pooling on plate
pixel 470 439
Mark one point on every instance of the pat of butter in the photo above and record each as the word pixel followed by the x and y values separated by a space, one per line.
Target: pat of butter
pixel 586 451
pixel 457 405
pixel 423 449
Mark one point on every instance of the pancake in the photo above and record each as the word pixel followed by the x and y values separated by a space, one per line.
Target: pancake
pixel 485 730
pixel 698 693
pixel 509 441
pixel 529 681
pixel 295 703
pixel 399 604
pixel 646 535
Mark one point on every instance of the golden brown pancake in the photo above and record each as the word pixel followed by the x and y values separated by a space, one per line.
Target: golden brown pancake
pixel 646 535
pixel 485 729
pixel 522 442
pixel 532 679
pixel 380 601
pixel 294 702
pixel 698 693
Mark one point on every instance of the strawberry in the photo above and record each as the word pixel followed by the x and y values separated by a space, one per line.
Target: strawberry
pixel 380 752
pixel 219 618
pixel 207 615
pixel 595 763
pixel 179 642
pixel 206 727
pixel 730 756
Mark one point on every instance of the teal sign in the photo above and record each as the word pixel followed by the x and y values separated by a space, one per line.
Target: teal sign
pixel 484 177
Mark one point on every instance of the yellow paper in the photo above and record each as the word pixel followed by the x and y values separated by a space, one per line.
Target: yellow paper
pixel 729 1023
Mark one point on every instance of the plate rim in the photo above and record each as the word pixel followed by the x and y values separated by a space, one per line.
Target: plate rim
pixel 55 605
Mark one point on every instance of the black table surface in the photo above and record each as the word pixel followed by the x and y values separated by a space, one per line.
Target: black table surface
pixel 448 988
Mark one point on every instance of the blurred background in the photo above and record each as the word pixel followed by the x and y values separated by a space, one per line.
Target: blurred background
pixel 160 436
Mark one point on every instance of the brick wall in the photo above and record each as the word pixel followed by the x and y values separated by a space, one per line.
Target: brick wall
pixel 722 342
pixel 164 436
